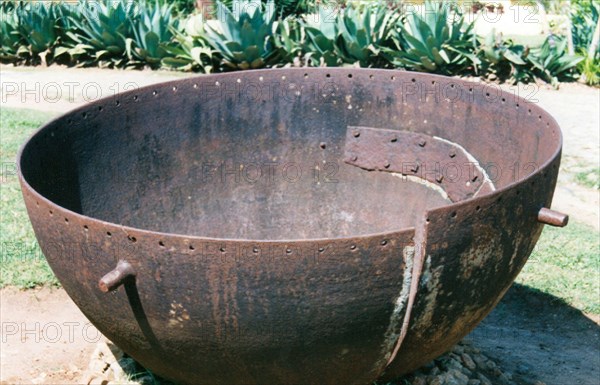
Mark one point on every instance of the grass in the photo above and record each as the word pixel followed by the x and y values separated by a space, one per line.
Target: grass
pixel 21 261
pixel 589 178
pixel 566 264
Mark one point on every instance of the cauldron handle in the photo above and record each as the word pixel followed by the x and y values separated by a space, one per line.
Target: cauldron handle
pixel 552 218
pixel 116 277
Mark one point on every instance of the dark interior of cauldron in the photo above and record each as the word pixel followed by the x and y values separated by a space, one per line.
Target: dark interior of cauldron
pixel 185 159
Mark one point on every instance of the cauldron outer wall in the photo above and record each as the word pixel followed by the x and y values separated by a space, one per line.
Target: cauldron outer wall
pixel 331 317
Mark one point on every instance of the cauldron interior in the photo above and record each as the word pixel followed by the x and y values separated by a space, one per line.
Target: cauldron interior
pixel 231 185
pixel 199 171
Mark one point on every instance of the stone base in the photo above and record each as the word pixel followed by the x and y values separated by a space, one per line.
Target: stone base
pixel 464 365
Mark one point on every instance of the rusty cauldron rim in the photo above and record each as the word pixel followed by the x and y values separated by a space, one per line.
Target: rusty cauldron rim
pixel 329 72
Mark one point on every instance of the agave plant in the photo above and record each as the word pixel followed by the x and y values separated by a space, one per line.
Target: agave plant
pixel 182 7
pixel 319 45
pixel 551 61
pixel 440 41
pixel 37 27
pixel 104 27
pixel 285 8
pixel 288 39
pixel 188 55
pixel 244 37
pixel 192 52
pixel 152 31
pixel 294 7
pixel 504 59
pixel 584 16
pixel 70 49
pixel 363 33
pixel 13 45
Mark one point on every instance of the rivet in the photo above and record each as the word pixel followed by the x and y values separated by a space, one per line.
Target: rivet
pixel 422 142
pixel 439 178
pixel 414 168
pixel 452 153
pixel 354 158
pixel 474 178
pixel 356 134
pixel 386 165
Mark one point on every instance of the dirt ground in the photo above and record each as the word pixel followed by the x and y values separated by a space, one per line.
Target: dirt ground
pixel 537 338
pixel 46 339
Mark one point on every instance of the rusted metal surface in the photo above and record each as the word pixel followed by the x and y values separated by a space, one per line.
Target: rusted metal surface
pixel 257 240
pixel 115 278
pixel 552 217
pixel 433 159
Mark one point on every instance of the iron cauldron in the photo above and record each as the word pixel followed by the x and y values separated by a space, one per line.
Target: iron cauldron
pixel 294 226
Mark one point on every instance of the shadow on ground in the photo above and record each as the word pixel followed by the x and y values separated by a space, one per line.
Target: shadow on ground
pixel 538 337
